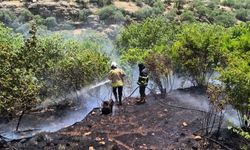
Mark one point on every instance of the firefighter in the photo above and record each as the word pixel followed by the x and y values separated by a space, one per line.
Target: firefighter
pixel 142 82
pixel 116 76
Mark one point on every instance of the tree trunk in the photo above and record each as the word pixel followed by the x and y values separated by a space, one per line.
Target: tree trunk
pixel 19 120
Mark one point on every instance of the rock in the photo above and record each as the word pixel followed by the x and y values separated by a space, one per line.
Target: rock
pixel 23 140
pixel 102 143
pixel 91 148
pixel 197 138
pixel 110 140
pixel 184 124
pixel 98 139
pixel 87 133
pixel 92 18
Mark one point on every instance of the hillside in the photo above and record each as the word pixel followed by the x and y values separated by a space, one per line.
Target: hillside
pixel 76 13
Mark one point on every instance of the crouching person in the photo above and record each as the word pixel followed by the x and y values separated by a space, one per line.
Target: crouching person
pixel 107 107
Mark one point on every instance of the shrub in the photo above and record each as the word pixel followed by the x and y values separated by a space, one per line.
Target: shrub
pixel 6 16
pixel 83 14
pixel 148 42
pixel 51 22
pixel 144 13
pixel 171 15
pixel 225 19
pixel 229 3
pixel 25 16
pixel 44 66
pixel 39 20
pixel 243 14
pixel 24 28
pixel 111 13
pixel 187 16
pixel 197 52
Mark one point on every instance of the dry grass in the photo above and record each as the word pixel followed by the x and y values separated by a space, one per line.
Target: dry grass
pixel 128 6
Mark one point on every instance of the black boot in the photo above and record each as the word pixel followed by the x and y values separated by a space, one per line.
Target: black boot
pixel 141 101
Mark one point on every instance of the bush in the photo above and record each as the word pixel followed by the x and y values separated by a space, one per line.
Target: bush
pixel 225 19
pixel 148 42
pixel 25 16
pixel 66 26
pixel 42 67
pixel 6 16
pixel 197 52
pixel 144 13
pixel 229 3
pixel 150 2
pixel 51 22
pixel 187 16
pixel 243 14
pixel 111 14
pixel 24 28
pixel 83 14
pixel 171 15
pixel 39 20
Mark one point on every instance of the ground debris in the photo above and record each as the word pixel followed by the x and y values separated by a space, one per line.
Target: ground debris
pixel 87 133
pixel 132 127
pixel 91 148
pixel 197 138
pixel 102 143
pixel 184 124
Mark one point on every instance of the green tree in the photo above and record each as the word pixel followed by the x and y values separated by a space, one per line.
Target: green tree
pixel 236 76
pixel 111 14
pixel 197 52
pixel 149 42
pixel 18 86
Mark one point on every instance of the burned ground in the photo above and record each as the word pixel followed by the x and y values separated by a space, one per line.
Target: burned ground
pixel 153 125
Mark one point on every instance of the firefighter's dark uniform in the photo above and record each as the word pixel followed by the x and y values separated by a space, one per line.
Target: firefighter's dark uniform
pixel 142 82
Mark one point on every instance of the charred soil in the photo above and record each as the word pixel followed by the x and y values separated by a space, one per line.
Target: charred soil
pixel 153 125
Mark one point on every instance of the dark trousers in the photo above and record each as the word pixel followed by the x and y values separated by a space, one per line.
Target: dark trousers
pixel 119 93
pixel 142 89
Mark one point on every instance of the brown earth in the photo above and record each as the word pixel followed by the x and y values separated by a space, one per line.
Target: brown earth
pixel 154 125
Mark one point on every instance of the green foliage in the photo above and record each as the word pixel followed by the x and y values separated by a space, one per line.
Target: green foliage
pixel 197 52
pixel 42 67
pixel 147 42
pixel 236 76
pixel 187 16
pixel 102 3
pixel 17 83
pixel 6 16
pixel 39 20
pixel 83 14
pixel 111 14
pixel 171 15
pixel 146 35
pixel 229 3
pixel 243 14
pixel 237 3
pixel 80 67
pixel 150 2
pixel 51 22
pixel 225 19
pixel 156 9
pixel 25 16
